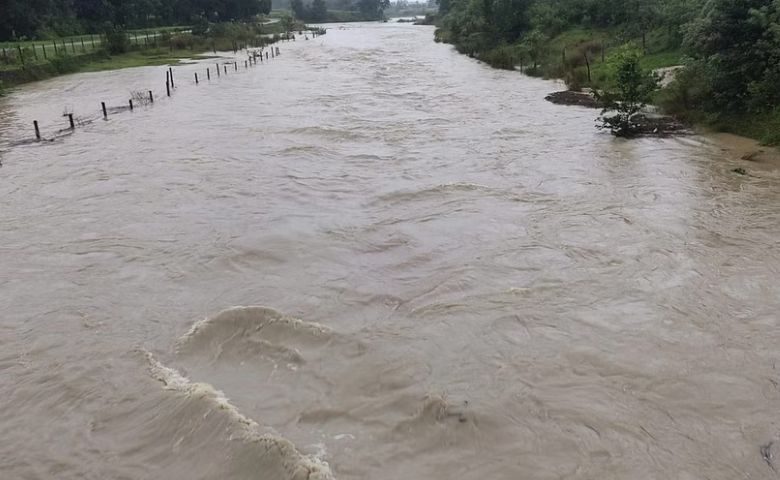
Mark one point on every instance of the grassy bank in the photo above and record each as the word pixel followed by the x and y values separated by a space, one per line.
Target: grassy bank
pixel 563 56
pixel 161 48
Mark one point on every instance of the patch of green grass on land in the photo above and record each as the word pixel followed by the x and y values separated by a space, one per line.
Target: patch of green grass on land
pixel 764 127
pixel 136 59
pixel 654 61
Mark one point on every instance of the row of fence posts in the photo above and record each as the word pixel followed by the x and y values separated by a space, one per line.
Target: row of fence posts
pixel 170 84
pixel 63 48
pixel 57 51
pixel 146 38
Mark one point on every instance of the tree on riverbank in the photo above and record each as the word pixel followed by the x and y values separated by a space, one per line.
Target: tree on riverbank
pixel 731 49
pixel 630 92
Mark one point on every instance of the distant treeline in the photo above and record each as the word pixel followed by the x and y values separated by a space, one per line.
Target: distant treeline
pixel 338 10
pixel 21 19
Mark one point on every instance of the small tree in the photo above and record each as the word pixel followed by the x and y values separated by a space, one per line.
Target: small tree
pixel 319 11
pixel 630 90
pixel 535 45
pixel 116 39
pixel 287 23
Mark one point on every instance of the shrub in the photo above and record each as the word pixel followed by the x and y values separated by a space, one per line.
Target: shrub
pixel 500 57
pixel 630 90
pixel 116 39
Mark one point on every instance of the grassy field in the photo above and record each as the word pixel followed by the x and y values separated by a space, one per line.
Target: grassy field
pixel 158 48
pixel 144 58
pixel 15 55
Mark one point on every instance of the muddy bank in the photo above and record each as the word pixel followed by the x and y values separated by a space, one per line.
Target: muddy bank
pixel 657 124
pixel 570 97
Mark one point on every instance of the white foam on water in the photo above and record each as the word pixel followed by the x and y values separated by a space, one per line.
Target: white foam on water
pixel 296 465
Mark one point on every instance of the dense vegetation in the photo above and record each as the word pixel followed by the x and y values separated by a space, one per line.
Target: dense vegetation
pixel 49 18
pixel 730 49
pixel 338 10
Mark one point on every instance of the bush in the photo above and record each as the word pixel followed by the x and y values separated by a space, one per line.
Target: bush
pixel 182 41
pixel 501 57
pixel 200 26
pixel 630 90
pixel 116 39
pixel 686 93
pixel 575 79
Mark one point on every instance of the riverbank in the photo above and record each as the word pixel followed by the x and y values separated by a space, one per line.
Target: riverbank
pixel 168 49
pixel 579 57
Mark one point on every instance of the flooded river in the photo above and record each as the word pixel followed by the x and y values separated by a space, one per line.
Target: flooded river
pixel 374 258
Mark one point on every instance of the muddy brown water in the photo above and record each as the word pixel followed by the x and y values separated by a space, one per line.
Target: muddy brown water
pixel 437 275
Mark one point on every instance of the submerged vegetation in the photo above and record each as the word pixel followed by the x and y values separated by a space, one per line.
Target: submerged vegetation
pixel 730 50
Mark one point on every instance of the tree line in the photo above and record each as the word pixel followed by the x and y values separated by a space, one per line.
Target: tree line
pixel 730 48
pixel 317 10
pixel 20 19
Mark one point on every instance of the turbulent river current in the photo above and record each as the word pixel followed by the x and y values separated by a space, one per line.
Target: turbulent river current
pixel 374 258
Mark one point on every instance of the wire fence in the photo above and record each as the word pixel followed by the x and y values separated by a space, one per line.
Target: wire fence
pixel 146 98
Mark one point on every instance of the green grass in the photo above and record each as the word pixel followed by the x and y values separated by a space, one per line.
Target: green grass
pixel 98 60
pixel 669 58
pixel 764 127
pixel 136 59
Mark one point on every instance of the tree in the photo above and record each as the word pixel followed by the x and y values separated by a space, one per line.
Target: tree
pixel 319 12
pixel 298 9
pixel 630 91
pixel 737 43
pixel 287 23
pixel 372 9
pixel 535 44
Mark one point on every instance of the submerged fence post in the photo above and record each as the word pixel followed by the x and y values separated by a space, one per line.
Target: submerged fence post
pixel 235 66
pixel 218 74
pixel 196 78
pixel 208 74
pixel 151 97
pixel 70 121
pixel 105 112
pixel 173 85
pixel 168 87
pixel 246 64
pixel 37 130
pixel 131 104
pixel 225 69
